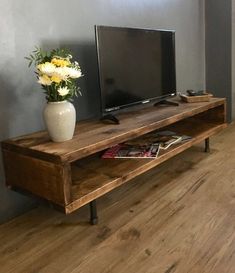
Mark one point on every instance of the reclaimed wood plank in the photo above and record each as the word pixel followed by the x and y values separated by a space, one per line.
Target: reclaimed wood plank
pixel 93 136
pixel 45 179
pixel 94 177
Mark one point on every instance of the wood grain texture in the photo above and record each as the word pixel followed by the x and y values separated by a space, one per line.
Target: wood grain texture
pixel 93 136
pixel 42 178
pixel 193 99
pixel 217 114
pixel 32 164
pixel 95 177
pixel 177 218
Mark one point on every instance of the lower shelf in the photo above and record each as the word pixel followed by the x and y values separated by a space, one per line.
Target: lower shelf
pixel 94 177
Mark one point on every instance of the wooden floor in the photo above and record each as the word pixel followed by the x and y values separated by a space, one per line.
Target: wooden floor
pixel 177 218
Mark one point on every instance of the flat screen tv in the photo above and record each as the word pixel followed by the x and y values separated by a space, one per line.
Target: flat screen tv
pixel 136 66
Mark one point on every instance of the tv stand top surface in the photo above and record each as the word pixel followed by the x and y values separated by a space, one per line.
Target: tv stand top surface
pixel 93 136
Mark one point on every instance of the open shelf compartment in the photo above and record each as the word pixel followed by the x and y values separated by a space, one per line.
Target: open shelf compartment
pixel 92 177
pixel 71 174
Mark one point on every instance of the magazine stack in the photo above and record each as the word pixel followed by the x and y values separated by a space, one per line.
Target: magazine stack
pixel 147 146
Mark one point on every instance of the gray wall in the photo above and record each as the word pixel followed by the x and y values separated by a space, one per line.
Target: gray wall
pixel 55 23
pixel 233 59
pixel 218 33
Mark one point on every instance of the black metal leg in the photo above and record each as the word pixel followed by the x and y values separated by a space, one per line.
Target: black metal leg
pixel 93 213
pixel 207 145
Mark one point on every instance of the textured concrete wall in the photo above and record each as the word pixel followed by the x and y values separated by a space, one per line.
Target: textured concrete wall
pixel 218 33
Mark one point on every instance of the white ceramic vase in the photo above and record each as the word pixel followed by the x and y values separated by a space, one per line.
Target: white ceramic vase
pixel 60 120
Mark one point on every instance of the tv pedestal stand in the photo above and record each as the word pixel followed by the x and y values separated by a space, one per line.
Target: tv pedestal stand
pixel 166 102
pixel 110 119
pixel 72 174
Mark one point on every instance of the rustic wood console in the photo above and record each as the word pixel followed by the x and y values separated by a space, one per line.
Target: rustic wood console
pixel 72 174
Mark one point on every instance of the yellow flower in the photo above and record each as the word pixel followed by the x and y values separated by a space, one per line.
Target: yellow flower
pixel 56 79
pixel 60 62
pixel 46 68
pixel 44 80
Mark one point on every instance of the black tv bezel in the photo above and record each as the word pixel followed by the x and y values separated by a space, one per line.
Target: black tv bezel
pixel 105 111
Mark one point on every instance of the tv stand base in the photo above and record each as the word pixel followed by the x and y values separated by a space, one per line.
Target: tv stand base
pixel 166 102
pixel 110 119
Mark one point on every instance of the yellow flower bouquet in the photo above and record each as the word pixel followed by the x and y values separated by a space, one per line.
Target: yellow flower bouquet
pixel 57 73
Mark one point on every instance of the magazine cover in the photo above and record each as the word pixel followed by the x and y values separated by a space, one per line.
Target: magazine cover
pixel 146 146
pixel 129 151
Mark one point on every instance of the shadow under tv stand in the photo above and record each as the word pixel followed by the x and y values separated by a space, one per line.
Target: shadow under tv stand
pixel 71 174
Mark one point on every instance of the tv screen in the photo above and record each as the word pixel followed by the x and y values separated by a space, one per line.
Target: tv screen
pixel 135 66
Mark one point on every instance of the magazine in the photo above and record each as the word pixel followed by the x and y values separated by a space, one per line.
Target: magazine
pixel 129 151
pixel 168 138
pixel 147 146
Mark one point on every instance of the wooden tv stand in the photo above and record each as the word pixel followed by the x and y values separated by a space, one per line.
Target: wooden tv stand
pixel 72 174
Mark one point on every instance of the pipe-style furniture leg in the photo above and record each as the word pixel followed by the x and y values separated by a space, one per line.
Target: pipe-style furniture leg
pixel 93 213
pixel 207 145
